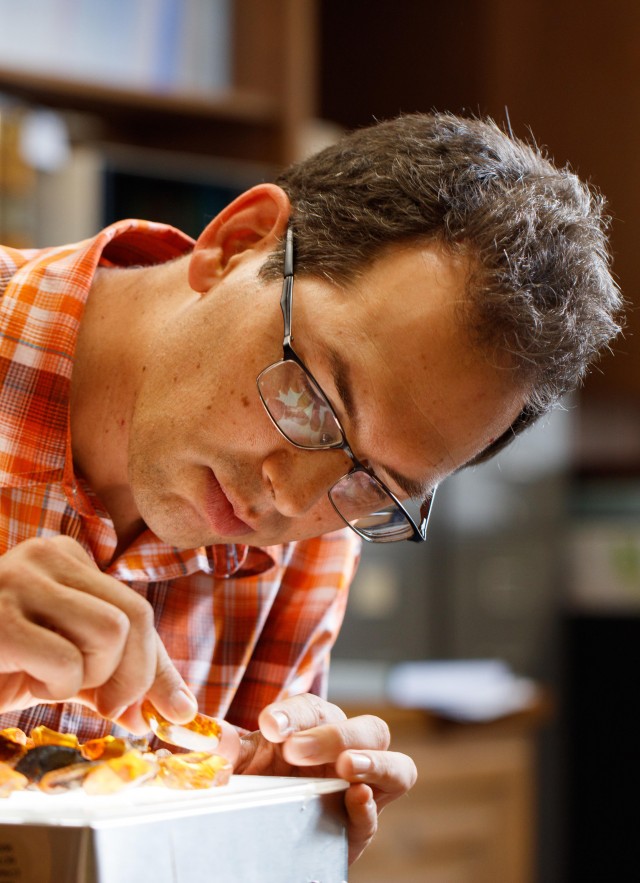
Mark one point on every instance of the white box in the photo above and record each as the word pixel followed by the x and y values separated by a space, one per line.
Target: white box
pixel 256 829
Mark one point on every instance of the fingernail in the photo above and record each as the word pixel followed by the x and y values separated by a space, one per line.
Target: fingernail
pixel 117 714
pixel 282 722
pixel 183 704
pixel 361 763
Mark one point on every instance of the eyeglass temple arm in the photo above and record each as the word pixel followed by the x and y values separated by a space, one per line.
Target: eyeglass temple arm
pixel 425 512
pixel 287 287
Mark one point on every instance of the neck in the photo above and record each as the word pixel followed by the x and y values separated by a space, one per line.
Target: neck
pixel 115 334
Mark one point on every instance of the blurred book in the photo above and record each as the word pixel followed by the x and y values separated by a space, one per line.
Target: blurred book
pixel 155 45
pixel 464 690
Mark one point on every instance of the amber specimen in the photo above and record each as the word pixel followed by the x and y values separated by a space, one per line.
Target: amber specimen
pixel 10 750
pixel 105 748
pixel 201 734
pixel 44 736
pixel 14 734
pixel 196 769
pixel 11 780
pixel 109 776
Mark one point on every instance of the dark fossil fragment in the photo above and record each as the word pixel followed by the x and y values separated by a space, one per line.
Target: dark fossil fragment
pixel 44 758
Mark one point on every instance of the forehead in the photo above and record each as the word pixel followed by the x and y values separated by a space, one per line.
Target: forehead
pixel 411 367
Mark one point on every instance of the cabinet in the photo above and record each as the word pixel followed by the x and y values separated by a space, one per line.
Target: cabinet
pixel 470 818
pixel 601 746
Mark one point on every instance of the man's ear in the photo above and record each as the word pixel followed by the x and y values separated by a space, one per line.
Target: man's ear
pixel 254 220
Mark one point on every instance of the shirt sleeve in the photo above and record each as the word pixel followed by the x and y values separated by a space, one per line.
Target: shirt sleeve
pixel 293 651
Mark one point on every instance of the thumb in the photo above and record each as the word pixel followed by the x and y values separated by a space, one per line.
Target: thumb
pixel 168 693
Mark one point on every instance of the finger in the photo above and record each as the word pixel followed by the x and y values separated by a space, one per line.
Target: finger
pixel 362 819
pixel 166 690
pixel 325 743
pixel 63 560
pixel 202 733
pixel 88 634
pixel 278 721
pixel 54 672
pixel 251 758
pixel 141 664
pixel 389 773
pixel 63 640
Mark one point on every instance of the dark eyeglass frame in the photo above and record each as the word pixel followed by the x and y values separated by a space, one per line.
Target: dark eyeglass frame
pixel 419 530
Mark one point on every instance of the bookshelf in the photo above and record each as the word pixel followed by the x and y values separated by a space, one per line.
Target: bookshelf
pixel 260 116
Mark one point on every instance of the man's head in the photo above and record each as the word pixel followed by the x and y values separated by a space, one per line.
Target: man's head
pixel 540 289
pixel 451 285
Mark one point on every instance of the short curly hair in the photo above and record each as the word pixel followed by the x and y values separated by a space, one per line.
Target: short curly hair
pixel 542 292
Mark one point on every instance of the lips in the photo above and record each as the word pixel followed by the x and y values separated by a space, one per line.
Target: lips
pixel 220 512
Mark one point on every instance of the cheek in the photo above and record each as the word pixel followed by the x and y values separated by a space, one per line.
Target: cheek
pixel 319 520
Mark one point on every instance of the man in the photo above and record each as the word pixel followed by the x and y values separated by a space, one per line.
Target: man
pixel 186 430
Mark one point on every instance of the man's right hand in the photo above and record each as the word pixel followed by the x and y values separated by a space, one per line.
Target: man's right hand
pixel 70 632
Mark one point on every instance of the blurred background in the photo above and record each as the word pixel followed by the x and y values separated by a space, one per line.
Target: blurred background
pixel 504 652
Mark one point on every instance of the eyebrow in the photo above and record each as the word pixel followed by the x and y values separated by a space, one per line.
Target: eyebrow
pixel 341 375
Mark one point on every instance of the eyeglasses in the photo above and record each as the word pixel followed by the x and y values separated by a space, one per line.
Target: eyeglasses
pixel 303 414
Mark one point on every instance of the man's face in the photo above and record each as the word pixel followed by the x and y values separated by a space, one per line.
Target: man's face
pixel 206 464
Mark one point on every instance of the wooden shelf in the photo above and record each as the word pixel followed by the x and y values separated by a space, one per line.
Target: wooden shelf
pixel 67 92
pixel 260 119
pixel 241 123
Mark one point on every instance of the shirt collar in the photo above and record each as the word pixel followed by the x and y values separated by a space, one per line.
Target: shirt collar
pixel 53 308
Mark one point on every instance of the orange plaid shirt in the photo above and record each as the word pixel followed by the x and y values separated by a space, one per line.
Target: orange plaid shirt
pixel 244 625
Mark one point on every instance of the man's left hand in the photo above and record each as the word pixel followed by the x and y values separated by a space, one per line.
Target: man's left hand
pixel 308 736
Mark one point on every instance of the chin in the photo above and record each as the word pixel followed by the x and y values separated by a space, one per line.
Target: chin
pixel 177 526
pixel 181 540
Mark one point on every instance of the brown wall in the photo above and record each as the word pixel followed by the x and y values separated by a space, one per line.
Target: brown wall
pixel 566 70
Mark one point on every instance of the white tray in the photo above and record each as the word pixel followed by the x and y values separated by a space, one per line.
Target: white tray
pixel 255 829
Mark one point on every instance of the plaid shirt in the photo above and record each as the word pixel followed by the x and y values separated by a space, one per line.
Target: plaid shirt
pixel 244 625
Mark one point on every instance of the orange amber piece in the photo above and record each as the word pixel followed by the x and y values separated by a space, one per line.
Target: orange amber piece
pixel 44 736
pixel 201 734
pixel 194 770
pixel 105 748
pixel 11 750
pixel 14 734
pixel 10 780
pixel 118 773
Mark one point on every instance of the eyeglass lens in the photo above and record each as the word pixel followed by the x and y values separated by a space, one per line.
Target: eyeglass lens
pixel 298 407
pixel 304 416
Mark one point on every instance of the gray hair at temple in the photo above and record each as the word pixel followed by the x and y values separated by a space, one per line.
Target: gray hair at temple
pixel 542 290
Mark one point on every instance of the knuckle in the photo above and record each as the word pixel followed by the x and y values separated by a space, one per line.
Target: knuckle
pixel 62 541
pixel 115 625
pixel 140 612
pixel 68 666
pixel 45 552
pixel 66 673
pixel 334 712
pixel 47 549
pixel 324 712
pixel 26 565
pixel 380 731
pixel 11 616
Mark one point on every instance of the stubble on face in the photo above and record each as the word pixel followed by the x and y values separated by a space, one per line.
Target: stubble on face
pixel 198 409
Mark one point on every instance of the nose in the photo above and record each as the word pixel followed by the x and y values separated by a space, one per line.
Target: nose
pixel 299 479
